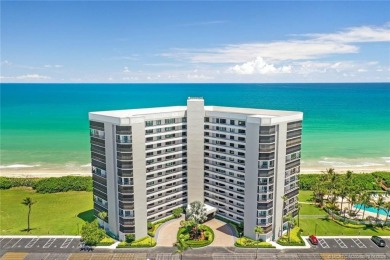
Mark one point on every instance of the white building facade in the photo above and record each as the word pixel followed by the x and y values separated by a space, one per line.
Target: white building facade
pixel 243 162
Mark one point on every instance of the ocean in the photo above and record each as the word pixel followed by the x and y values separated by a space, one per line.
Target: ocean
pixel 46 125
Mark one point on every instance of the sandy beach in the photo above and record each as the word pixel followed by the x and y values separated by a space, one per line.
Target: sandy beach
pixel 86 171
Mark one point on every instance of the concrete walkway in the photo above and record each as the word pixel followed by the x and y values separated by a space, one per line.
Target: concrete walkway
pixel 167 232
pixel 223 233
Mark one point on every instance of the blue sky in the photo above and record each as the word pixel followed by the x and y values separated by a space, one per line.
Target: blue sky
pixel 223 41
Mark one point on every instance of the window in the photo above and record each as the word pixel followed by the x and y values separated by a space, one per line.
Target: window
pixel 207 119
pixel 148 123
pixel 149 131
pixel 149 139
pixel 232 122
pixel 158 122
pixel 241 123
pixel 158 130
pixel 170 121
pixel 222 121
pixel 184 119
pixel 232 137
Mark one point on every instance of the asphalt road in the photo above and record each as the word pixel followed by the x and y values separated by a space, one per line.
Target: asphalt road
pixel 68 248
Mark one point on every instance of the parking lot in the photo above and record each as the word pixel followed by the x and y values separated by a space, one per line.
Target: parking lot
pixel 362 245
pixel 39 244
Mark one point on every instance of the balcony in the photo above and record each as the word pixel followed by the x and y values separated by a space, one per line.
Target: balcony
pixel 266 139
pixel 293 141
pixel 294 134
pixel 123 139
pixel 265 165
pixel 97 141
pixel 97 133
pixel 267 130
pixel 294 125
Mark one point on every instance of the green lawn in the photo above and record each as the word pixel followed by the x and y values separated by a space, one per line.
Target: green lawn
pixel 305 196
pixel 309 209
pixel 54 213
pixel 330 228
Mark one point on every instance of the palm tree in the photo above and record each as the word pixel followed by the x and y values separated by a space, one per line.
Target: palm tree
pixel 258 230
pixel 365 201
pixel 28 202
pixel 332 181
pixel 290 221
pixel 284 198
pixel 181 248
pixel 378 204
pixel 386 208
pixel 342 193
pixel 299 206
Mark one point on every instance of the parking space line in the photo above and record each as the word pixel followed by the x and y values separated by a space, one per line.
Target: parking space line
pixel 7 243
pixel 16 242
pixel 49 243
pixel 340 243
pixel 1 239
pixel 359 243
pixel 32 242
pixel 323 243
pixel 66 243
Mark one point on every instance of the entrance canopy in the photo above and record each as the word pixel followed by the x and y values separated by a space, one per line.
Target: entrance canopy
pixel 210 209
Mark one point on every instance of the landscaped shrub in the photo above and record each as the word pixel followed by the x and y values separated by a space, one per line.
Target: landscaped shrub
pixel 130 238
pixel 62 184
pixel 164 220
pixel 250 243
pixel 177 212
pixel 143 242
pixel 107 241
pixel 184 236
pixel 150 225
pixel 295 238
pixel 7 183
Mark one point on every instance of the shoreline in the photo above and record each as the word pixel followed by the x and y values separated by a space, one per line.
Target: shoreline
pixel 36 172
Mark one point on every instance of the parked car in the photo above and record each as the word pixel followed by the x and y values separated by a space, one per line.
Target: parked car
pixel 313 239
pixel 378 241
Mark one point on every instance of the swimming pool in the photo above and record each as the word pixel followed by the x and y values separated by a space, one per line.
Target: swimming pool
pixel 370 209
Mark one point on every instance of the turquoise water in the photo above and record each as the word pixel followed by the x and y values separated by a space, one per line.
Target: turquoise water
pixel 371 209
pixel 47 124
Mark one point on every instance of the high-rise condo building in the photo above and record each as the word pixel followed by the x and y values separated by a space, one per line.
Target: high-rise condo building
pixel 243 163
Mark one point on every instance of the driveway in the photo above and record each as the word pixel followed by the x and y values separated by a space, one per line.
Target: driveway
pixel 223 233
pixel 167 232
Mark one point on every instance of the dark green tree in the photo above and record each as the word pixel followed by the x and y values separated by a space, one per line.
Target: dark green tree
pixel 91 234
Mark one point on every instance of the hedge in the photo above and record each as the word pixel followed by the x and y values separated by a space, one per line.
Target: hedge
pixel 49 185
pixel 197 243
pixel 107 241
pixel 62 184
pixel 152 231
pixel 7 183
pixel 295 238
pixel 143 242
pixel 246 242
pixel 367 181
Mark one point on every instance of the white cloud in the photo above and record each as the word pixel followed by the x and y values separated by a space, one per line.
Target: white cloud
pixel 126 69
pixel 357 34
pixel 259 66
pixel 313 46
pixel 56 66
pixel 26 77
